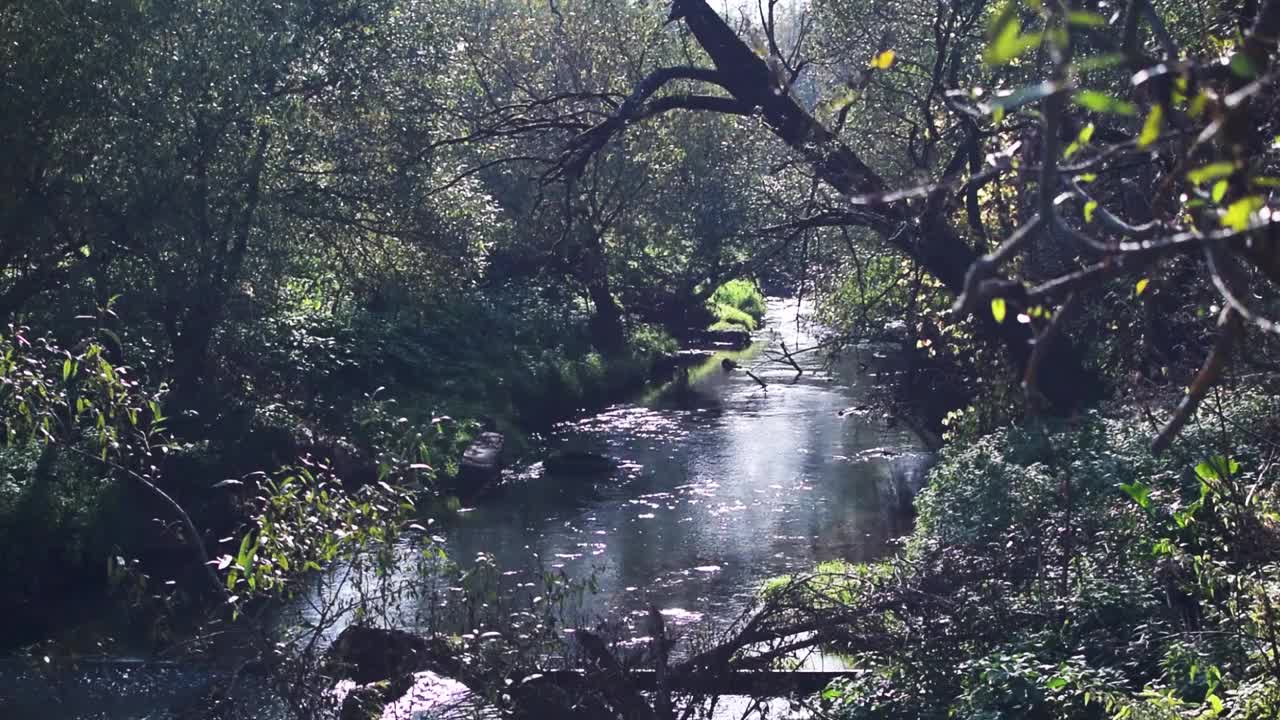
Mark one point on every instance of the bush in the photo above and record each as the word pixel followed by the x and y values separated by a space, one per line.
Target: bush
pixel 731 318
pixel 1082 577
pixel 737 303
pixel 652 340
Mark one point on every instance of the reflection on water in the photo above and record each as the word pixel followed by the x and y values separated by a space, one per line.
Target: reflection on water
pixel 115 689
pixel 717 489
pixel 734 484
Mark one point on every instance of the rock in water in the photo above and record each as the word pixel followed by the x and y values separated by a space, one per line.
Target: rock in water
pixel 392 673
pixel 367 655
pixel 576 462
pixel 732 339
pixel 481 464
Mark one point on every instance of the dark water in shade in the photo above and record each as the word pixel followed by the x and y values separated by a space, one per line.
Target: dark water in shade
pixel 719 489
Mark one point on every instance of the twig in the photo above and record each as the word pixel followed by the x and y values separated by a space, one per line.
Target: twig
pixel 985 266
pixel 790 360
pixel 195 541
pixel 1043 342
pixel 1230 326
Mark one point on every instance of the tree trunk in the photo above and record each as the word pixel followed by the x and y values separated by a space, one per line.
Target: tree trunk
pixel 191 340
pixel 930 241
pixel 607 332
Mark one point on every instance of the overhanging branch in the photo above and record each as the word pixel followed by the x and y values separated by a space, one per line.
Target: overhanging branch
pixel 635 108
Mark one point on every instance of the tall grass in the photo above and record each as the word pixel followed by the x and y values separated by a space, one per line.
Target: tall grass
pixel 737 304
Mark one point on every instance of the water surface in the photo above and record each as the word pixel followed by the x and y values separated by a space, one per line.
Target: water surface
pixel 719 488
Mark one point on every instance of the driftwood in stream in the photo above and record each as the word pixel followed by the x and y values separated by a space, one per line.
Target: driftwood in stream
pixel 873 617
pixel 757 683
pixel 878 617
pixel 790 359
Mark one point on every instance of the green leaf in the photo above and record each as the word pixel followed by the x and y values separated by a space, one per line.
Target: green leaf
pixel 1008 42
pixel 1056 683
pixel 1087 177
pixel 66 369
pixel 1151 127
pixel 1141 287
pixel 1263 181
pixel 1090 208
pixel 1212 171
pixel 1214 702
pixel 1103 103
pixel 845 98
pixel 111 333
pixel 1140 493
pixel 998 309
pixel 1220 190
pixel 1082 139
pixel 1243 67
pixel 1197 105
pixel 1216 467
pixel 1081 18
pixel 243 557
pixel 1239 212
pixel 1100 62
pixel 1206 472
pixel 1058 35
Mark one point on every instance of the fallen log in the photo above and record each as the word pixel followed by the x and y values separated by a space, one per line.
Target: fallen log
pixel 755 683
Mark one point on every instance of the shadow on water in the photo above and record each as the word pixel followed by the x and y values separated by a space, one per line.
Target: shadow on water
pixel 717 488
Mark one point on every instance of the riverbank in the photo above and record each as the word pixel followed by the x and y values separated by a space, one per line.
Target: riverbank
pixel 718 488
pixel 720 485
pixel 391 397
pixel 1059 569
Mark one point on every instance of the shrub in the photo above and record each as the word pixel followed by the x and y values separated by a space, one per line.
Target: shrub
pixel 737 302
pixel 651 340
pixel 1083 577
pixel 731 318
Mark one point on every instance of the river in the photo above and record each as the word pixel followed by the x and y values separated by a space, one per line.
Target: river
pixel 719 488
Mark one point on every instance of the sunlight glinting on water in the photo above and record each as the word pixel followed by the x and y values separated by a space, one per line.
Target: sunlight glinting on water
pixel 714 492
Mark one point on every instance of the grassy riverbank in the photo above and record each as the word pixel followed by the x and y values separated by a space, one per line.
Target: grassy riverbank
pixel 391 395
pixel 737 305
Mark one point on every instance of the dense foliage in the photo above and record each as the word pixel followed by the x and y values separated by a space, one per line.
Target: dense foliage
pixel 736 304
pixel 1062 571
pixel 267 268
